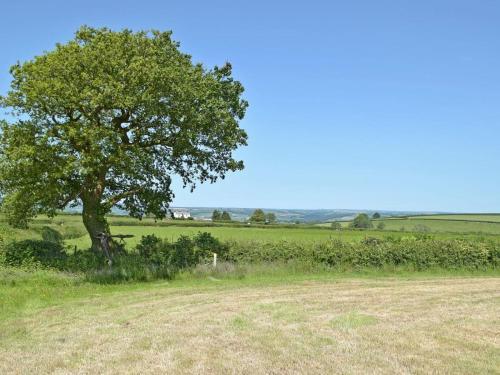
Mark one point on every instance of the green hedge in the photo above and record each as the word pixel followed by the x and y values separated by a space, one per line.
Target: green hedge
pixel 155 258
pixel 419 253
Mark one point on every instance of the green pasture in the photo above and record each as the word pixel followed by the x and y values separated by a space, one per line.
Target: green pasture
pixel 231 233
pixel 462 217
pixel 73 231
pixel 441 225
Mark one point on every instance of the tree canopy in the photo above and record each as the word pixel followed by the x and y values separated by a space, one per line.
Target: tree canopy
pixel 220 216
pixel 271 218
pixel 216 215
pixel 225 216
pixel 107 119
pixel 258 216
pixel 362 221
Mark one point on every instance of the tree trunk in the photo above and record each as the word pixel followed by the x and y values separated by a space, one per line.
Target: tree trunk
pixel 93 219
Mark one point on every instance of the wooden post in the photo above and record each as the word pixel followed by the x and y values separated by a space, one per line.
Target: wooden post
pixel 215 260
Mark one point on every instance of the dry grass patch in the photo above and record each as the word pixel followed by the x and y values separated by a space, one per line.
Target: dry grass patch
pixel 357 326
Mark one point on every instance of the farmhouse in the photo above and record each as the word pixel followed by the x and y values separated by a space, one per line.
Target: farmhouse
pixel 181 213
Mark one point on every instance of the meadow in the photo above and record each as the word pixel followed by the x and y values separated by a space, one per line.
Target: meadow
pixel 290 299
pixel 494 218
pixel 266 321
pixel 461 226
pixel 72 230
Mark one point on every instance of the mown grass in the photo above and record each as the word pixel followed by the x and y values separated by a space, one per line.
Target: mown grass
pixel 249 318
pixel 271 319
pixel 25 291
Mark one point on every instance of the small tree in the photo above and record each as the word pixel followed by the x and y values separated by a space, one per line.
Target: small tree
pixel 376 215
pixel 336 225
pixel 106 119
pixel 271 218
pixel 216 215
pixel 258 216
pixel 362 221
pixel 381 225
pixel 225 216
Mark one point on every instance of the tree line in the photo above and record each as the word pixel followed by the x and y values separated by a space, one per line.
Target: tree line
pixel 362 221
pixel 258 216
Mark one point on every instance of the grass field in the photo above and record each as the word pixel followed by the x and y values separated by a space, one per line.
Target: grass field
pixel 495 218
pixel 488 224
pixel 71 227
pixel 442 225
pixel 230 233
pixel 252 318
pixel 294 324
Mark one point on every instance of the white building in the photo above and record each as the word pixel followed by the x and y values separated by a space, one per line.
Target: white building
pixel 181 213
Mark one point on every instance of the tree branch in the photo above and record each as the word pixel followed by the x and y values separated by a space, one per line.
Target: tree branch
pixel 111 201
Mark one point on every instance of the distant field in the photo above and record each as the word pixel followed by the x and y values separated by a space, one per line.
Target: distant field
pixel 71 227
pixel 466 217
pixel 442 225
pixel 230 233
pixel 459 223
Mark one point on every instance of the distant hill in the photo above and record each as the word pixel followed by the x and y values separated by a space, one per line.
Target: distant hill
pixel 293 215
pixel 286 215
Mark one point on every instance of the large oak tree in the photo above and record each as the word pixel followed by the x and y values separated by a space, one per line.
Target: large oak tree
pixel 107 119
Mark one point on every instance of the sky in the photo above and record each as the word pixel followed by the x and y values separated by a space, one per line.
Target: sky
pixel 353 104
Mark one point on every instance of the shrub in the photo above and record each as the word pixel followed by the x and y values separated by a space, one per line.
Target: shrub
pixel 35 253
pixel 148 246
pixel 206 245
pixel 416 253
pixel 184 253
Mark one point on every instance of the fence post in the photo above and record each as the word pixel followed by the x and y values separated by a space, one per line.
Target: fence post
pixel 215 260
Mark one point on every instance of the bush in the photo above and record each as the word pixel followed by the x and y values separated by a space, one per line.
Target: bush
pixel 149 246
pixel 417 253
pixel 160 259
pixel 206 245
pixel 184 253
pixel 35 253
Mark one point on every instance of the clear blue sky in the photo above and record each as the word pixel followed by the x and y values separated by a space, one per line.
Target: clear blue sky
pixel 353 104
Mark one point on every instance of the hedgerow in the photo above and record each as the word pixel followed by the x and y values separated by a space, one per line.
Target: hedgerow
pixel 155 258
pixel 418 253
